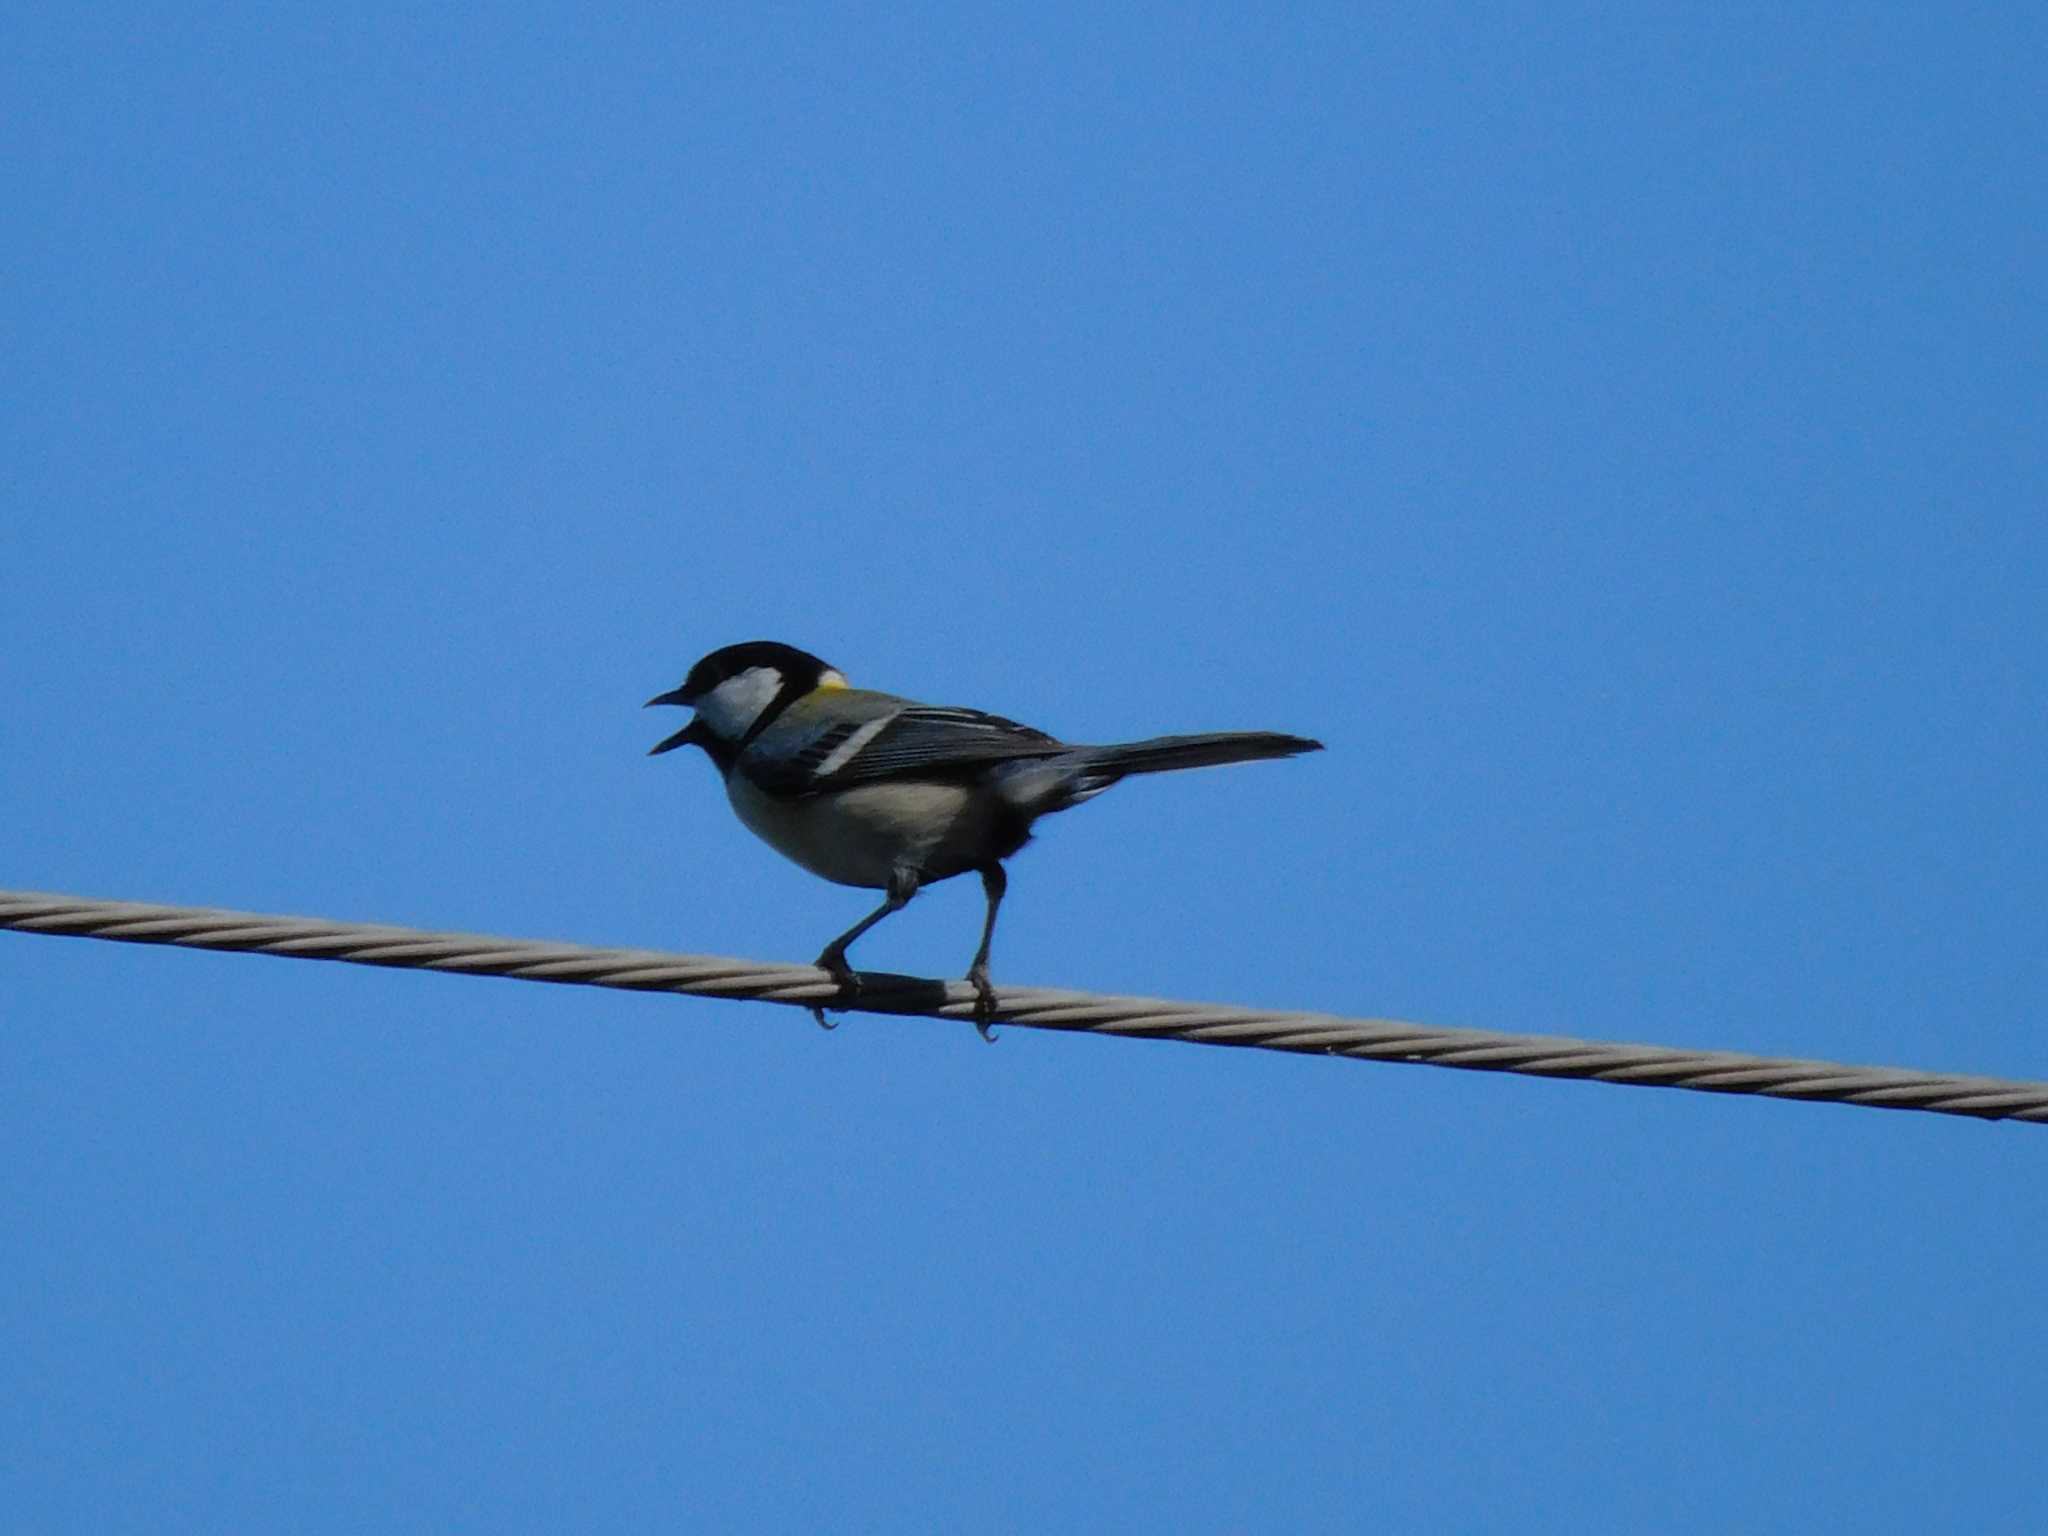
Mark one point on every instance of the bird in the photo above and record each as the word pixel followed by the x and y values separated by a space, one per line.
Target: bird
pixel 869 789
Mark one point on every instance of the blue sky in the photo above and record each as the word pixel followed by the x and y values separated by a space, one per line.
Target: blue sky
pixel 1616 431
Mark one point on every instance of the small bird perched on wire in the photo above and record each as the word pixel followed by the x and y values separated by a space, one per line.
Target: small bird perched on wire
pixel 872 790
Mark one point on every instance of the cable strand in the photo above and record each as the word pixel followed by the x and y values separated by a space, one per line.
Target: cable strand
pixel 805 986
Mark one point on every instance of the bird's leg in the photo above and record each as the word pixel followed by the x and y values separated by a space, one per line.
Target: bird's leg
pixel 902 886
pixel 994 882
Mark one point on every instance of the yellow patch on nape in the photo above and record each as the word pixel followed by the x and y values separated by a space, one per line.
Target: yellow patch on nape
pixel 832 677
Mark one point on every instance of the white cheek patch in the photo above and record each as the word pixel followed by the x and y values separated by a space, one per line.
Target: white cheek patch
pixel 736 703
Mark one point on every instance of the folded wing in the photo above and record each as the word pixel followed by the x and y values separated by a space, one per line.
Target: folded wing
pixel 919 741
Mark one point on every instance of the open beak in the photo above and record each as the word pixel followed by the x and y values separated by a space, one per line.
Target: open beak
pixel 690 735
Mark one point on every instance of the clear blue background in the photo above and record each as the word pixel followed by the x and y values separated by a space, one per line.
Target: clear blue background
pixel 1616 430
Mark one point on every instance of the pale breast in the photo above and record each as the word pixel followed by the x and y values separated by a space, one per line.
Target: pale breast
pixel 857 836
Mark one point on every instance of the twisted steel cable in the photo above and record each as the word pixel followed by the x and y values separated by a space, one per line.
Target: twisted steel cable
pixel 1320 1034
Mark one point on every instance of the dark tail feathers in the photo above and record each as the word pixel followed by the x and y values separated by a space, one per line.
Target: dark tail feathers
pixel 1163 753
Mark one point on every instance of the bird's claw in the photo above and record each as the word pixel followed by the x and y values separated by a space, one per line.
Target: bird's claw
pixel 843 974
pixel 984 1002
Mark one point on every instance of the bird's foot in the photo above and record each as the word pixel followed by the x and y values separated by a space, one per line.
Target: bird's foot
pixel 834 961
pixel 984 1001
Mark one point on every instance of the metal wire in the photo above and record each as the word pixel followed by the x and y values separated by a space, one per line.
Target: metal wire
pixel 648 970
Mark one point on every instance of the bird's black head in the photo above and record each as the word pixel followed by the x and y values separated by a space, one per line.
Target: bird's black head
pixel 796 667
pixel 737 690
